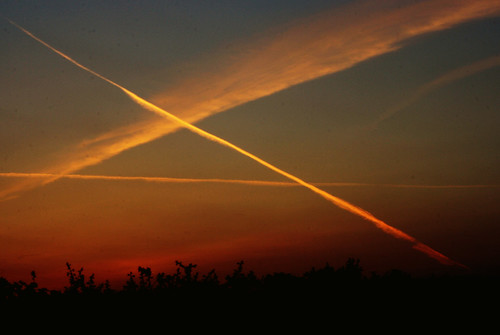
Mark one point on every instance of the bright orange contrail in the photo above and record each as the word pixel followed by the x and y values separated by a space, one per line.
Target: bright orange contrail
pixel 333 199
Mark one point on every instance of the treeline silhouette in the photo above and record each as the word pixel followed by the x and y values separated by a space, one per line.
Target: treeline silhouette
pixel 346 283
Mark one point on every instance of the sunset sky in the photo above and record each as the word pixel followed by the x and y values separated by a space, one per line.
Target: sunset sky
pixel 391 106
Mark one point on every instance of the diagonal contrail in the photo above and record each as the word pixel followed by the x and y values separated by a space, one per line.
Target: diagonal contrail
pixel 177 180
pixel 331 198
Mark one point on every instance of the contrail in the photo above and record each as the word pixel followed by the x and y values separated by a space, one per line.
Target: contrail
pixel 150 179
pixel 323 44
pixel 440 81
pixel 333 199
pixel 231 181
pixel 319 45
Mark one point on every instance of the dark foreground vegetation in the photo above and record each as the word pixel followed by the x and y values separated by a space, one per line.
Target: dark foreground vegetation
pixel 346 285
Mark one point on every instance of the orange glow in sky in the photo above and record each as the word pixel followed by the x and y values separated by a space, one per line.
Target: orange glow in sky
pixel 298 87
pixel 333 199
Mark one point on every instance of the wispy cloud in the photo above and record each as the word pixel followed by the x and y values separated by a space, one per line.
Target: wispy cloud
pixel 447 78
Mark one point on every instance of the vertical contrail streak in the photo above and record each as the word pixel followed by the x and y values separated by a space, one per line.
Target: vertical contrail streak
pixel 333 199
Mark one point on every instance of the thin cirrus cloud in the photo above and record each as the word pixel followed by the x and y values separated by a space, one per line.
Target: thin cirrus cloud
pixel 345 205
pixel 451 76
pixel 307 49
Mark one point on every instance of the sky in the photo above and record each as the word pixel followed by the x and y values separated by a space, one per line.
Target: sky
pixel 391 106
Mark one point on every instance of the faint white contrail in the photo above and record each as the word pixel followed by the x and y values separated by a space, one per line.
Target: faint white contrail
pixel 177 180
pixel 451 76
pixel 331 198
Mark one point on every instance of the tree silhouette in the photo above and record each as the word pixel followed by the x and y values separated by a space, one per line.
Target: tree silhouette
pixel 346 287
pixel 78 285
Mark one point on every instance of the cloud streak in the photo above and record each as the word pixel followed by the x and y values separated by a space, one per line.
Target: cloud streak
pixel 451 76
pixel 327 196
pixel 311 48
